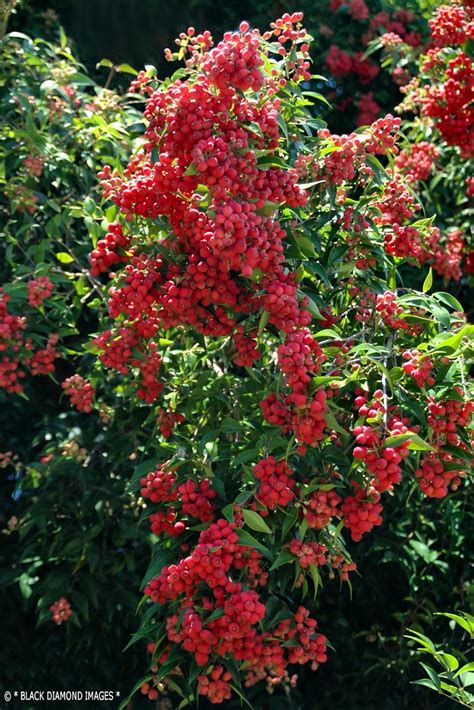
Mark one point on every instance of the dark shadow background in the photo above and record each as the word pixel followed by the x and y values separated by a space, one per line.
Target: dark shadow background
pixel 136 31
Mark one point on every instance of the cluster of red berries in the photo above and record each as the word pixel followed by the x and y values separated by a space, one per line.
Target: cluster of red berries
pixel 449 255
pixel 396 23
pixel 196 127
pixel 340 63
pixel 235 62
pixel 308 553
pixel 276 485
pixel 362 512
pixel 80 392
pixel 381 307
pixel 167 420
pixel 449 102
pixel 109 250
pixel 419 366
pixel 16 350
pixel 349 159
pixel 452 25
pixel 320 507
pixel 196 499
pixel 438 472
pixel 159 485
pixel 42 360
pixel 246 346
pixel 446 415
pixel 141 84
pixel 369 109
pixel 440 469
pixel 216 685
pixel 60 611
pixel 299 357
pixel 190 498
pixel 416 162
pixel 165 523
pixel 34 164
pixel 311 647
pixel 11 343
pixel 126 351
pixel 207 635
pixel 39 289
pixel 381 461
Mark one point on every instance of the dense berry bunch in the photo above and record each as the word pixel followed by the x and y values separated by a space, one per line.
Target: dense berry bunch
pixel 11 342
pixel 42 360
pixel 450 105
pixel 321 507
pixel 308 553
pixel 109 250
pixel 34 164
pixel 60 611
pixel 362 512
pixel 382 461
pixel 159 485
pixel 440 468
pixel 276 482
pixel 167 421
pixel 419 366
pixel 261 309
pixel 416 162
pixel 196 500
pixel 246 346
pixel 17 352
pixel 39 289
pixel 80 392
pixel 299 357
pixel 215 686
pixel 452 25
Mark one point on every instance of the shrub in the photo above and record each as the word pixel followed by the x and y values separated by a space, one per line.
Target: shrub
pixel 270 316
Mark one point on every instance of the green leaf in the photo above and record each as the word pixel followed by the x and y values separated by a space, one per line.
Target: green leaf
pixel 126 69
pixel 255 521
pixel 248 540
pixel 316 578
pixel 416 442
pixel 424 551
pixel 283 558
pixel 263 322
pixel 449 300
pixel 468 668
pixel 306 246
pixel 104 63
pixel 448 661
pixel 228 512
pixel 466 623
pixel 428 282
pixel 215 615
pixel 25 587
pixel 64 258
pixel 89 205
pixel 244 456
pixel 426 683
pixel 434 677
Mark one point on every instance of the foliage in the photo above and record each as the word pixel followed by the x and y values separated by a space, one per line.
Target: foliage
pixel 264 404
pixel 261 312
pixel 457 675
pixel 437 159
pixel 68 530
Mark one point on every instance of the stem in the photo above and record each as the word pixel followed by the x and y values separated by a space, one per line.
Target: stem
pixel 6 7
pixel 109 78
